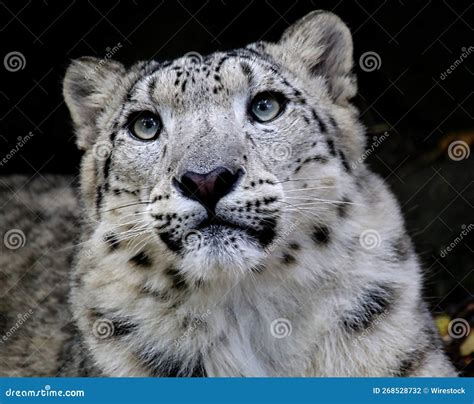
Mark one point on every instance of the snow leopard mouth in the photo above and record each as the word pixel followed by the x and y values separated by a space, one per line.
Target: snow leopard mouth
pixel 215 230
pixel 215 223
pixel 215 226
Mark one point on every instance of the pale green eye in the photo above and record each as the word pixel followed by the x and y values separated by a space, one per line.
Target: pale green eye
pixel 266 106
pixel 145 125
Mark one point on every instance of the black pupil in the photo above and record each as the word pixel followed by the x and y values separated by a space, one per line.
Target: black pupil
pixel 148 122
pixel 264 105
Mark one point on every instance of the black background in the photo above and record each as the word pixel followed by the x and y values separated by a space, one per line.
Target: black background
pixel 417 41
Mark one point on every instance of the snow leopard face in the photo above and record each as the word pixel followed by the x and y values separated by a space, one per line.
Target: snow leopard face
pixel 210 162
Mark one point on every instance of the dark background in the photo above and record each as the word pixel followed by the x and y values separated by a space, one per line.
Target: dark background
pixel 406 96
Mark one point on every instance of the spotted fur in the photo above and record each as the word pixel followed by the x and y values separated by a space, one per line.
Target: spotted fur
pixel 286 243
pixel 190 293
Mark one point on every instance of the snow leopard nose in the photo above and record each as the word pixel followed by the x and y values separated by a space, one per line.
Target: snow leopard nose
pixel 208 188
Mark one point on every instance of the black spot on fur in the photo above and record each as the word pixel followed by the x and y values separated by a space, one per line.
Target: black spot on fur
pixel 160 365
pixel 331 147
pixel 288 259
pixel 258 269
pixel 112 241
pixel 129 191
pixel 266 233
pixel 320 235
pixel 370 304
pixel 294 246
pixel 411 363
pixel 142 260
pixel 171 243
pixel 342 208
pixel 247 71
pixel 122 327
pixel 321 159
pixel 151 87
pixel 321 124
pixel 344 161
pixel 98 200
pixel 177 279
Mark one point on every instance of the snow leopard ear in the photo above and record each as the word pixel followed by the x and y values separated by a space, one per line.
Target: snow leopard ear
pixel 321 45
pixel 87 86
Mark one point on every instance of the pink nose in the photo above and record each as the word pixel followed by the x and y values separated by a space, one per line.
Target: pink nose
pixel 208 188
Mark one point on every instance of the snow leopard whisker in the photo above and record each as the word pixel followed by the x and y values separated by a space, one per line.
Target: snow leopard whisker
pixel 317 201
pixel 300 179
pixel 127 206
pixel 309 189
pixel 140 243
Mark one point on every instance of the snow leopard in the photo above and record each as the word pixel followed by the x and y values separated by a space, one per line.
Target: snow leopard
pixel 230 227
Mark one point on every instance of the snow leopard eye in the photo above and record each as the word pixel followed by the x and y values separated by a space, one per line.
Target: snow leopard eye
pixel 145 125
pixel 267 106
